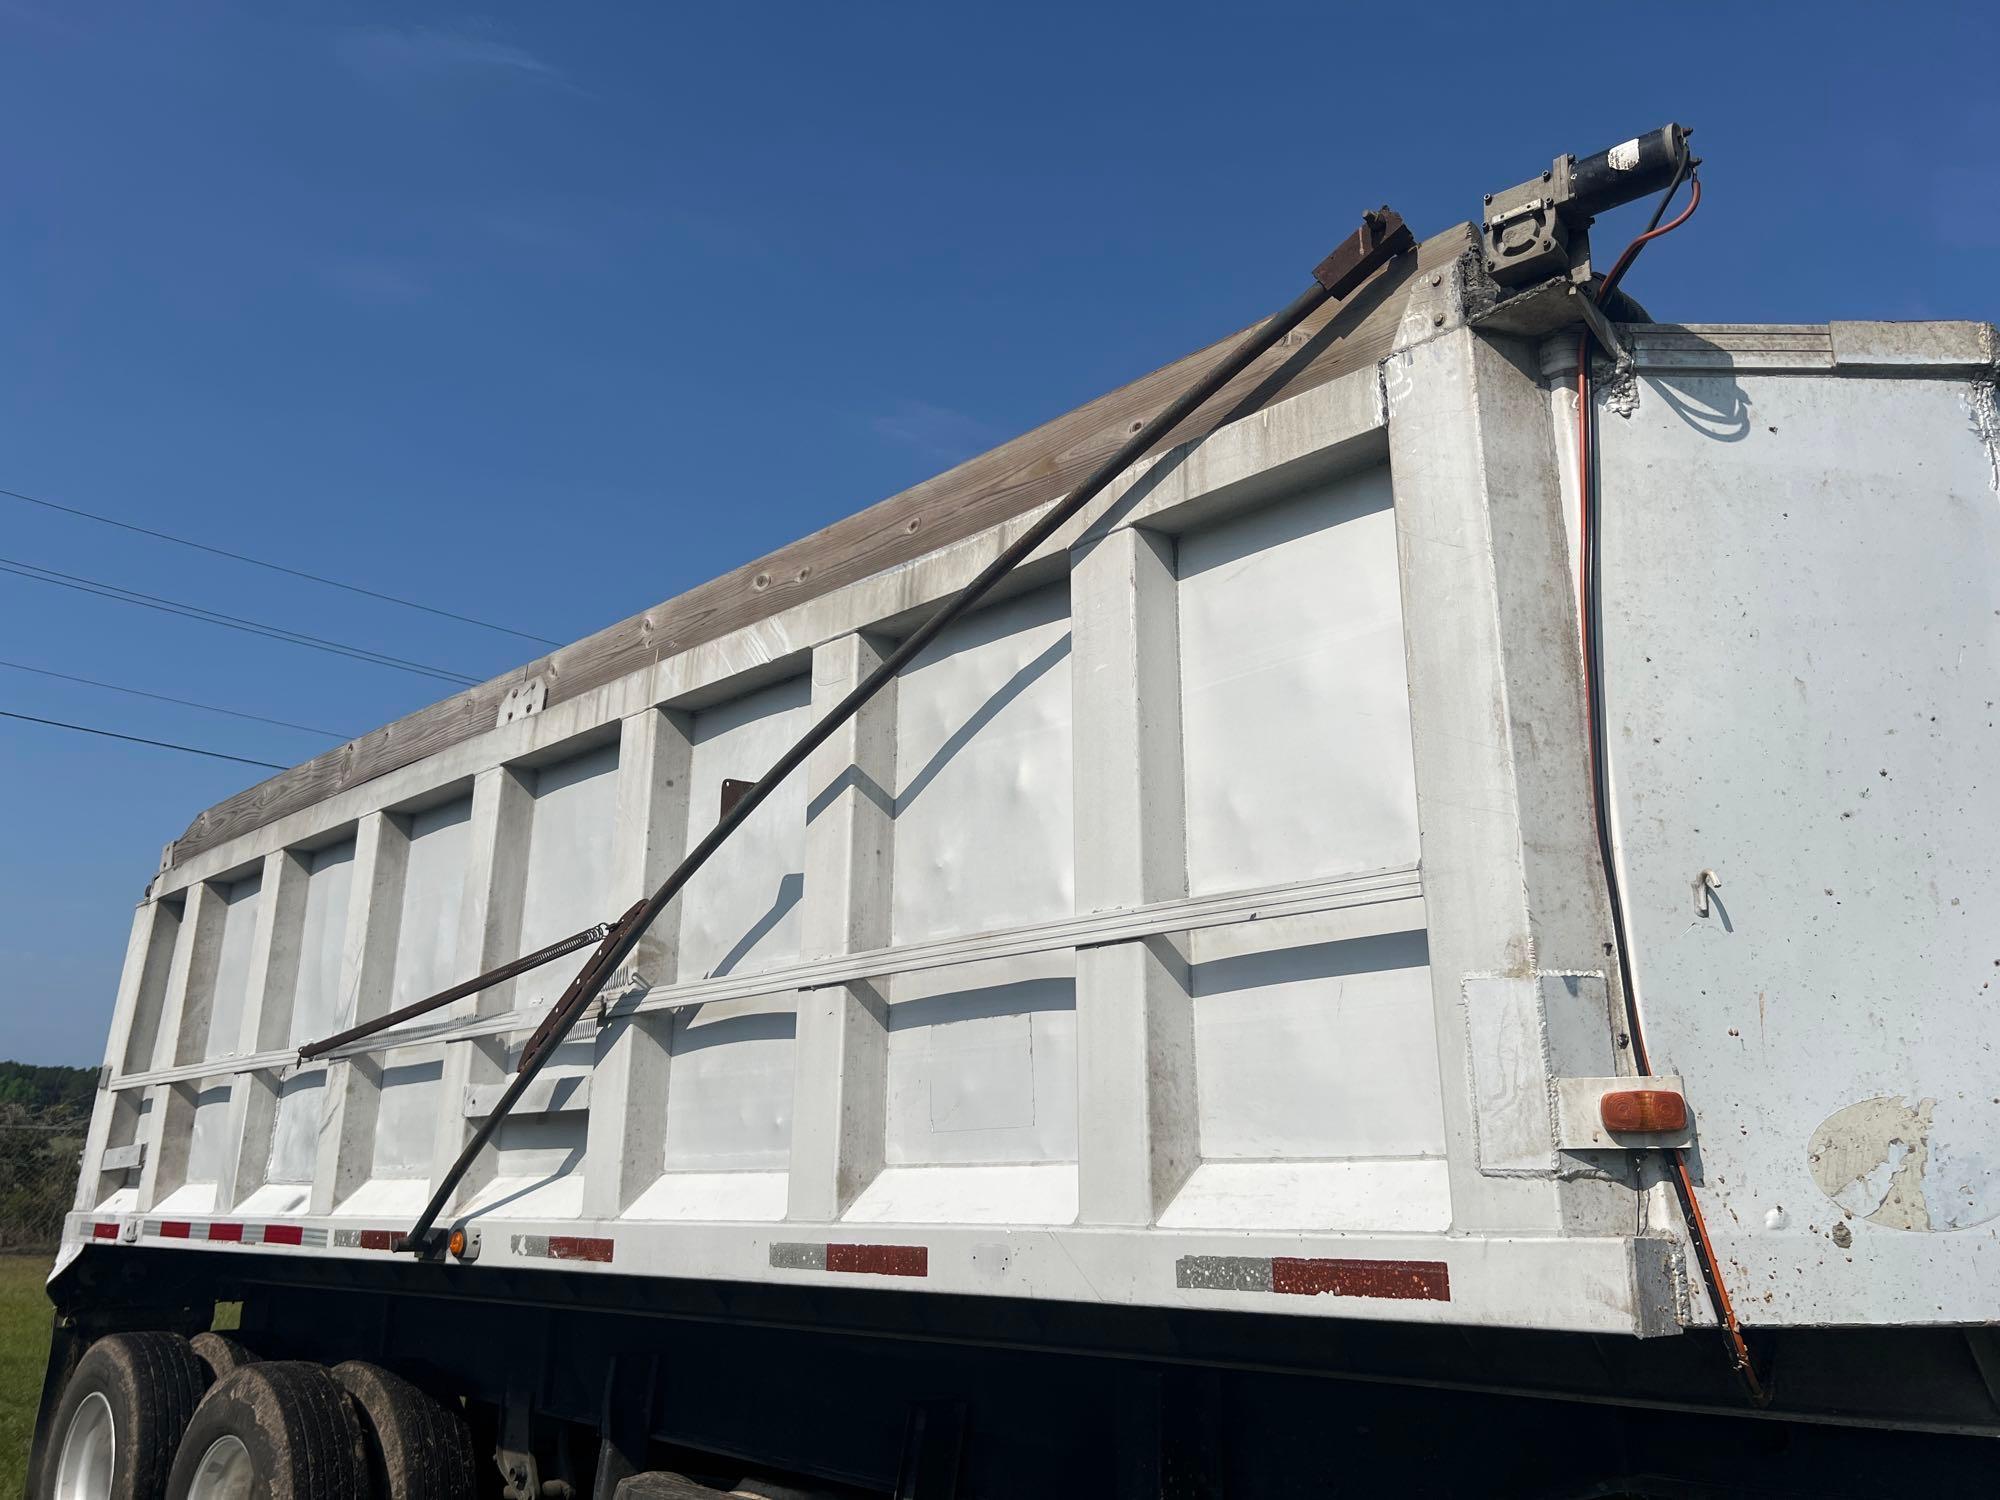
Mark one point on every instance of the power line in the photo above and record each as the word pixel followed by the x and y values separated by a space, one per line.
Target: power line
pixel 258 562
pixel 229 622
pixel 18 666
pixel 112 734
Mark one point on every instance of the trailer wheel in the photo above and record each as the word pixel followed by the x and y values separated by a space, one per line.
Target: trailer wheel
pixel 224 1357
pixel 281 1429
pixel 418 1448
pixel 121 1416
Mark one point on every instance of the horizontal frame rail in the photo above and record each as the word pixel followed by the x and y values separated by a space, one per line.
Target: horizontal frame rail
pixel 1399 888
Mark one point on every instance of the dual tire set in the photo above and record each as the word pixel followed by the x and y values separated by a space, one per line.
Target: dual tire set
pixel 154 1416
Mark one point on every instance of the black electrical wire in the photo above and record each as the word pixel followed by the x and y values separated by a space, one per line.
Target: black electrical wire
pixel 228 622
pixel 210 708
pixel 258 562
pixel 112 734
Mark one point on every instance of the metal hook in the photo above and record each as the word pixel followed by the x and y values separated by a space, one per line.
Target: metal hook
pixel 1705 882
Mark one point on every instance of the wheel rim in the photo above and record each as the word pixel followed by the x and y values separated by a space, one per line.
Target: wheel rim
pixel 89 1452
pixel 224 1472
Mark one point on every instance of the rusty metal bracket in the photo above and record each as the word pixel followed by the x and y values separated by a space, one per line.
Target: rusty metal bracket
pixel 733 792
pixel 582 990
pixel 1382 237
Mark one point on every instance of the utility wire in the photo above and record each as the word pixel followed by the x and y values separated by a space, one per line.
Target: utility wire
pixel 112 734
pixel 258 562
pixel 18 666
pixel 229 622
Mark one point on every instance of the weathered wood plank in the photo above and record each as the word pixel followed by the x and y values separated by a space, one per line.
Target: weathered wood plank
pixel 1017 476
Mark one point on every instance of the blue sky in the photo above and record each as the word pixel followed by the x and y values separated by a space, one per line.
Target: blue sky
pixel 547 313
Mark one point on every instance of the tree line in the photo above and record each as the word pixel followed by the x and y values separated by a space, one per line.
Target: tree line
pixel 44 1115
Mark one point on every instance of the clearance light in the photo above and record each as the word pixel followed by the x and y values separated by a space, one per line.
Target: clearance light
pixel 1643 1112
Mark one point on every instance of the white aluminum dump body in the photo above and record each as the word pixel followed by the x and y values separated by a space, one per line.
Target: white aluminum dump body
pixel 1216 920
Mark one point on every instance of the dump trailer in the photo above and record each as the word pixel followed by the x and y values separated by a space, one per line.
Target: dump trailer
pixel 1406 905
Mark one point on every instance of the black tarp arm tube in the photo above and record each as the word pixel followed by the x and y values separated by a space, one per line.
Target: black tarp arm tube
pixel 1381 237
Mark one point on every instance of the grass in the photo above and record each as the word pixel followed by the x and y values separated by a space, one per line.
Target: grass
pixel 24 1349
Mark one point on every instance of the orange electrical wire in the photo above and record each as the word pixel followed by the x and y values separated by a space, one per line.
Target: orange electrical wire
pixel 1739 1350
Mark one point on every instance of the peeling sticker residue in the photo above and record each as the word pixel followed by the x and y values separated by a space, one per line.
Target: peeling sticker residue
pixel 1908 1165
pixel 1982 403
pixel 1870 1157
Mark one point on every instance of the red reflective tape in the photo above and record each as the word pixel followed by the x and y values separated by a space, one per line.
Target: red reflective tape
pixel 579 1247
pixel 233 1232
pixel 283 1234
pixel 880 1260
pixel 1400 1280
pixel 104 1231
pixel 174 1229
pixel 378 1239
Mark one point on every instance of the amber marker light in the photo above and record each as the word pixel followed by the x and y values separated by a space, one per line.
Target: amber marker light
pixel 1643 1112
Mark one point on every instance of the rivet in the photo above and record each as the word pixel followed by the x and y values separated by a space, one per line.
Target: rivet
pixel 1437 278
pixel 1437 320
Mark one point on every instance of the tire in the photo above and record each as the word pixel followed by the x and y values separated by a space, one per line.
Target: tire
pixel 283 1429
pixel 121 1417
pixel 223 1356
pixel 418 1447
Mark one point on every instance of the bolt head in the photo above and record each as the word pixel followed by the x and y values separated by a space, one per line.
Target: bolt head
pixel 1437 320
pixel 1437 278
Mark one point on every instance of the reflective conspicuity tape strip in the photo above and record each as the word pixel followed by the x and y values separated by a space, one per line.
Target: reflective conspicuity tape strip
pixel 232 1232
pixel 364 1239
pixel 564 1247
pixel 1395 1280
pixel 859 1260
pixel 103 1231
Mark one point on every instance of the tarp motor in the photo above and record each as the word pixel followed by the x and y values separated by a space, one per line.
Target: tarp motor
pixel 1541 228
